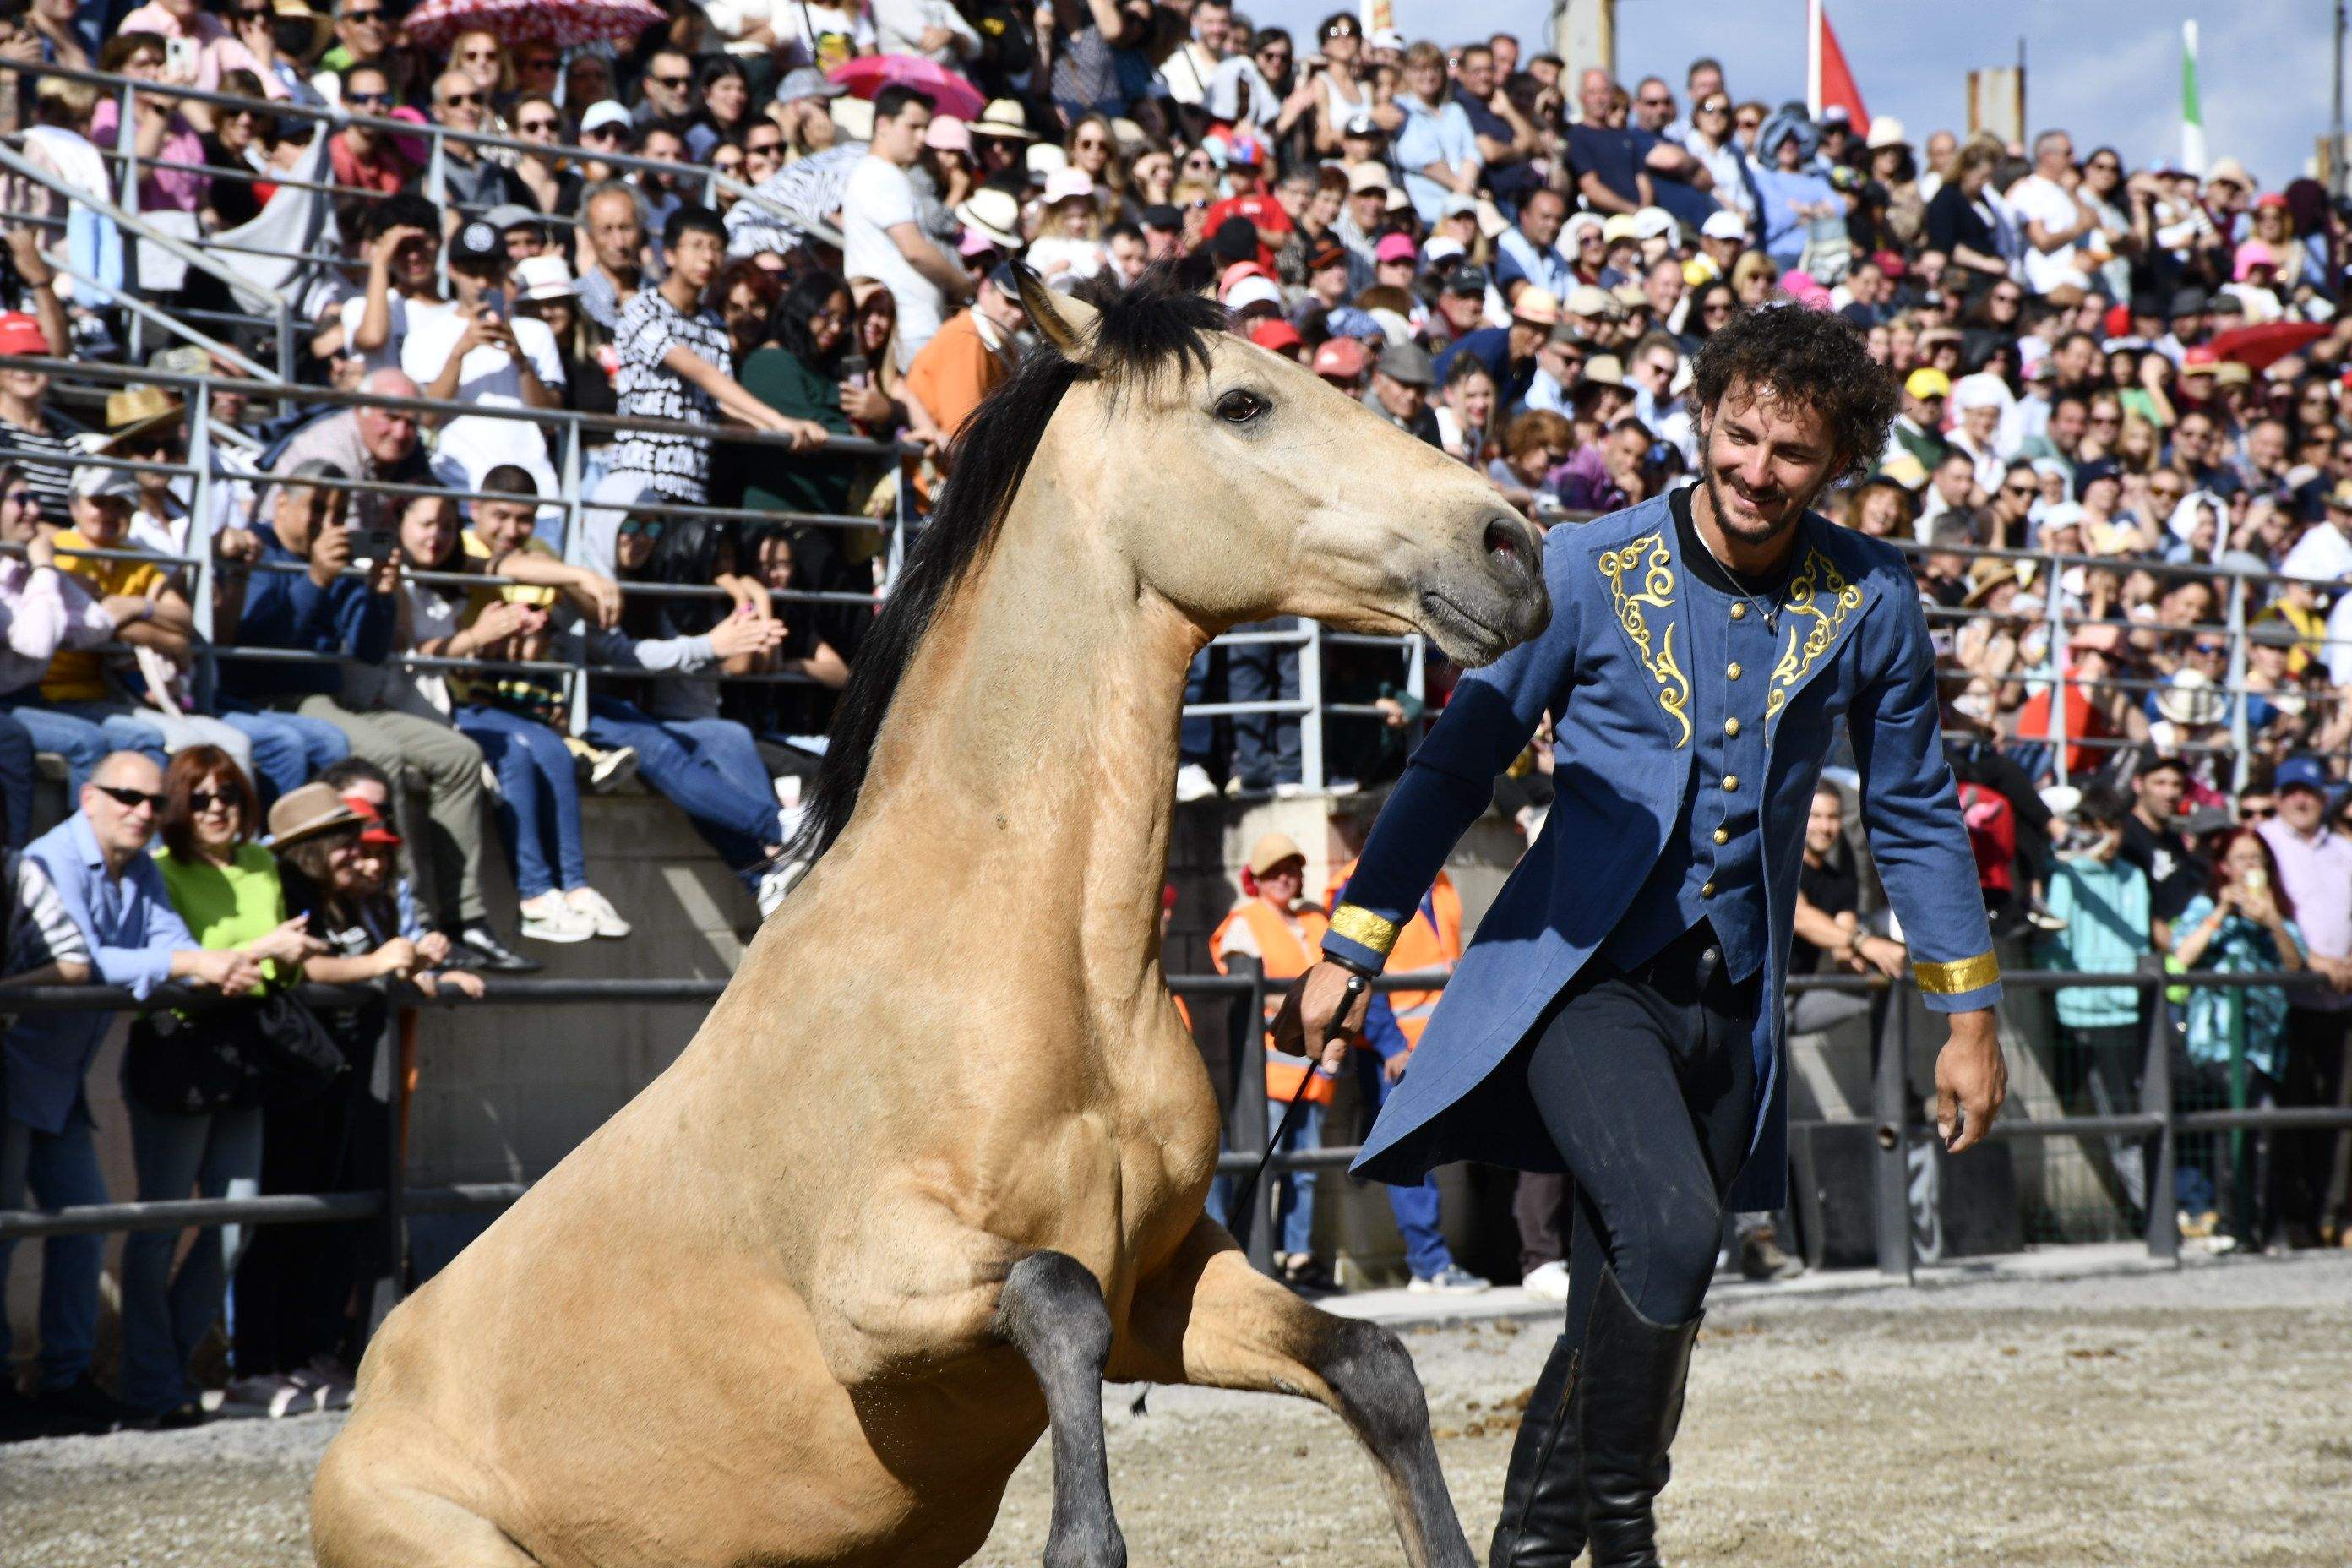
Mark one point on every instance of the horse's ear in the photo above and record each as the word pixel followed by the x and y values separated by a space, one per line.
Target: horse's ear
pixel 1065 322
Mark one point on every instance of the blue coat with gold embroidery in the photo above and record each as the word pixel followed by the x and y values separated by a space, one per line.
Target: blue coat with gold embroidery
pixel 1616 671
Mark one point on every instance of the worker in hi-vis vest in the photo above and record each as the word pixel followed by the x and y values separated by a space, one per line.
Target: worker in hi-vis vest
pixel 1431 941
pixel 1274 925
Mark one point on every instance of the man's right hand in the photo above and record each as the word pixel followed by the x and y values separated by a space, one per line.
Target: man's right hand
pixel 739 635
pixel 1310 1013
pixel 331 551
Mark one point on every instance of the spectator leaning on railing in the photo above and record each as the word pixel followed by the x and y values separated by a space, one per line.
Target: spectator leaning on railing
pixel 98 861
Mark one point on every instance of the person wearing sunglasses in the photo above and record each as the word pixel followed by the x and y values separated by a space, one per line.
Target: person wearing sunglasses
pixel 361 156
pixel 470 182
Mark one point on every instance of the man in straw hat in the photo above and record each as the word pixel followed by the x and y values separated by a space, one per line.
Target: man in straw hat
pixel 1619 1016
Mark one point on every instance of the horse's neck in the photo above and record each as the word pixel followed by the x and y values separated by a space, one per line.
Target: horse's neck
pixel 1032 744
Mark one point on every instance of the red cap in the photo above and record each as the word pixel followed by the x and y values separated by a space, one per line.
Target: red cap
pixel 2199 356
pixel 1275 335
pixel 2118 318
pixel 1342 358
pixel 1236 272
pixel 376 830
pixel 1891 262
pixel 21 335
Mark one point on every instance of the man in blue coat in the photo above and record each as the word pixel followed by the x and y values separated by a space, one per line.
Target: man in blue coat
pixel 1619 1016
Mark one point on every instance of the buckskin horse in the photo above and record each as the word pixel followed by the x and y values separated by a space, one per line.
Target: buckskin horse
pixel 932 1170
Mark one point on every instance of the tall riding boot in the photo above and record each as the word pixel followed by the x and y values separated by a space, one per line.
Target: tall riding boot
pixel 1542 1522
pixel 1630 1404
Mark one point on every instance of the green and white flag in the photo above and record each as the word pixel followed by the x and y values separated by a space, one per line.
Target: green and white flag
pixel 2192 119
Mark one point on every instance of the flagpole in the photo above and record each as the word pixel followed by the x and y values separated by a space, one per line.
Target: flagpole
pixel 1814 58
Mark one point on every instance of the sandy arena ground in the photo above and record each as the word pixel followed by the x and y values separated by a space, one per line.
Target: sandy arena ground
pixel 2186 1419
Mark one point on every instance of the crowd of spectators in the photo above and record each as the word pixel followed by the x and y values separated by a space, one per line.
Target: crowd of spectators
pixel 2135 375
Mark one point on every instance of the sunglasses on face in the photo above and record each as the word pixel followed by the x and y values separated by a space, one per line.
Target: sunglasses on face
pixel 2027 491
pixel 130 799
pixel 357 17
pixel 202 800
pixel 459 100
pixel 2257 813
pixel 650 528
pixel 1094 144
pixel 367 99
pixel 1744 123
pixel 2208 650
pixel 263 15
pixel 669 80
pixel 536 125
pixel 764 149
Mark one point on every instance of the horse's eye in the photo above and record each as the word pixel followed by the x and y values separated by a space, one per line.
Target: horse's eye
pixel 1240 408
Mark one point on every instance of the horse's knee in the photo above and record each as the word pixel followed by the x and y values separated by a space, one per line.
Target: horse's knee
pixel 1372 1375
pixel 1052 1301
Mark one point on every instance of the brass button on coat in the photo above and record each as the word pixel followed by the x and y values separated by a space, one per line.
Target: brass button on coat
pixel 1731 726
pixel 1738 612
pixel 1733 672
pixel 1722 835
pixel 1730 783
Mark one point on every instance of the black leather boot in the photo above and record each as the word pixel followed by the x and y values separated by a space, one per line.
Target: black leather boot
pixel 1630 1404
pixel 1542 1522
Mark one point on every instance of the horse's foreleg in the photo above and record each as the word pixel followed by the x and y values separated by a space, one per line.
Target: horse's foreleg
pixel 1210 1319
pixel 1052 1311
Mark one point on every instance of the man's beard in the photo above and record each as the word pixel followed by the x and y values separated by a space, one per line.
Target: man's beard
pixel 1741 530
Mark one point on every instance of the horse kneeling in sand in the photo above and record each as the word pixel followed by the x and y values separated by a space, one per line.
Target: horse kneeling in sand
pixel 932 1170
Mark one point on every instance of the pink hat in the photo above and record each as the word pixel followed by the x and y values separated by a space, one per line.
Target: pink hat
pixel 948 134
pixel 1067 185
pixel 2253 253
pixel 1396 247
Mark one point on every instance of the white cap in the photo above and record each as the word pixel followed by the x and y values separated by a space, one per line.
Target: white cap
pixel 1725 224
pixel 1650 223
pixel 608 111
pixel 544 278
pixel 1982 390
pixel 1066 184
pixel 1044 157
pixel 1886 130
pixel 1252 291
pixel 1441 249
pixel 1388 38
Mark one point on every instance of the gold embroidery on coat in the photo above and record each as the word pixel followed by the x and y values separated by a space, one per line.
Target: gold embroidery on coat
pixel 1656 590
pixel 1819 601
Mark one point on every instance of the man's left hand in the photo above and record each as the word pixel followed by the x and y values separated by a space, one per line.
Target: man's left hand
pixel 1971 1080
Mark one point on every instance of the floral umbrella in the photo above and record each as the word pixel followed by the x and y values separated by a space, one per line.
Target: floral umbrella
pixel 566 23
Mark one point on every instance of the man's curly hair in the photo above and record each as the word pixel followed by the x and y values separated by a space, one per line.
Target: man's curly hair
pixel 1791 353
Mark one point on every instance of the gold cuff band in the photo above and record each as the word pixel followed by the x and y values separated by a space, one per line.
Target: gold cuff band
pixel 1360 925
pixel 1951 979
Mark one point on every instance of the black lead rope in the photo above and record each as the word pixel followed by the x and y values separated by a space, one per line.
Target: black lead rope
pixel 1243 1211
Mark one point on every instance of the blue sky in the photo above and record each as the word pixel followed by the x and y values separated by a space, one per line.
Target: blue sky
pixel 2106 71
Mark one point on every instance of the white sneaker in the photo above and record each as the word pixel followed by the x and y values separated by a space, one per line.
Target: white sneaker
pixel 1451 1281
pixel 594 907
pixel 1547 1282
pixel 547 918
pixel 610 770
pixel 315 1391
pixel 1192 782
pixel 272 1396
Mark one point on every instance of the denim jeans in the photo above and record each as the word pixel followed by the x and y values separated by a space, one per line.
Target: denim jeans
pixel 709 768
pixel 60 1171
pixel 539 796
pixel 166 1315
pixel 1416 1206
pixel 16 751
pixel 289 751
pixel 178 731
pixel 1265 745
pixel 1293 1191
pixel 82 742
pixel 1196 738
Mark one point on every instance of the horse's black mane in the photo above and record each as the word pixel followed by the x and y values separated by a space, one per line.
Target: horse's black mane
pixel 1158 325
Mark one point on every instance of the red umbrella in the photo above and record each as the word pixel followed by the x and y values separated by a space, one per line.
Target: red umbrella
pixel 869 74
pixel 566 23
pixel 2256 347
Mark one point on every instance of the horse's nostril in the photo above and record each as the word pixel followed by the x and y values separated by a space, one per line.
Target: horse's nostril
pixel 1503 542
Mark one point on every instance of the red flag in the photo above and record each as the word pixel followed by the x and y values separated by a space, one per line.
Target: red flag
pixel 1827 80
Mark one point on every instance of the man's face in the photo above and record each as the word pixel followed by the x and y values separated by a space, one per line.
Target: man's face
pixel 1213 25
pixel 389 435
pixel 1162 242
pixel 1525 338
pixel 613 229
pixel 1477 73
pixel 663 146
pixel 1955 479
pixel 2052 152
pixel 2068 422
pixel 524 240
pixel 1825 824
pixel 2193 437
pixel 2160 791
pixel 1366 208
pixel 2074 359
pixel 1664 289
pixel 1653 109
pixel 2301 807
pixel 458 101
pixel 2266 444
pixel 124 828
pixel 1507 53
pixel 359 28
pixel 1592 94
pixel 763 150
pixel 1463 313
pixel 1126 256
pixel 504 524
pixel 101 520
pixel 695 259
pixel 1002 308
pixel 900 141
pixel 1705 83
pixel 301 511
pixel 1400 398
pixel 366 91
pixel 1655 369
pixel 669 83
pixel 1765 460
pixel 1540 217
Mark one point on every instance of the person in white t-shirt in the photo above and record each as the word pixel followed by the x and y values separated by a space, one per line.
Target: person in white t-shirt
pixel 2052 220
pixel 474 352
pixel 403 287
pixel 881 224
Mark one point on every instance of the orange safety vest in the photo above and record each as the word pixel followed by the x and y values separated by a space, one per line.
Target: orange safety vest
pixel 1287 953
pixel 1419 945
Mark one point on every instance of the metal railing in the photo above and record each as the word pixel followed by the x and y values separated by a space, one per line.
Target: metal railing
pixel 574 431
pixel 1897 1118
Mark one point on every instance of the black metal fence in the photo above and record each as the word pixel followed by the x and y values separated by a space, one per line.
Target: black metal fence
pixel 1897 1118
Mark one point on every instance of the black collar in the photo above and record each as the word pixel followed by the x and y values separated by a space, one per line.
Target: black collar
pixel 1700 561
